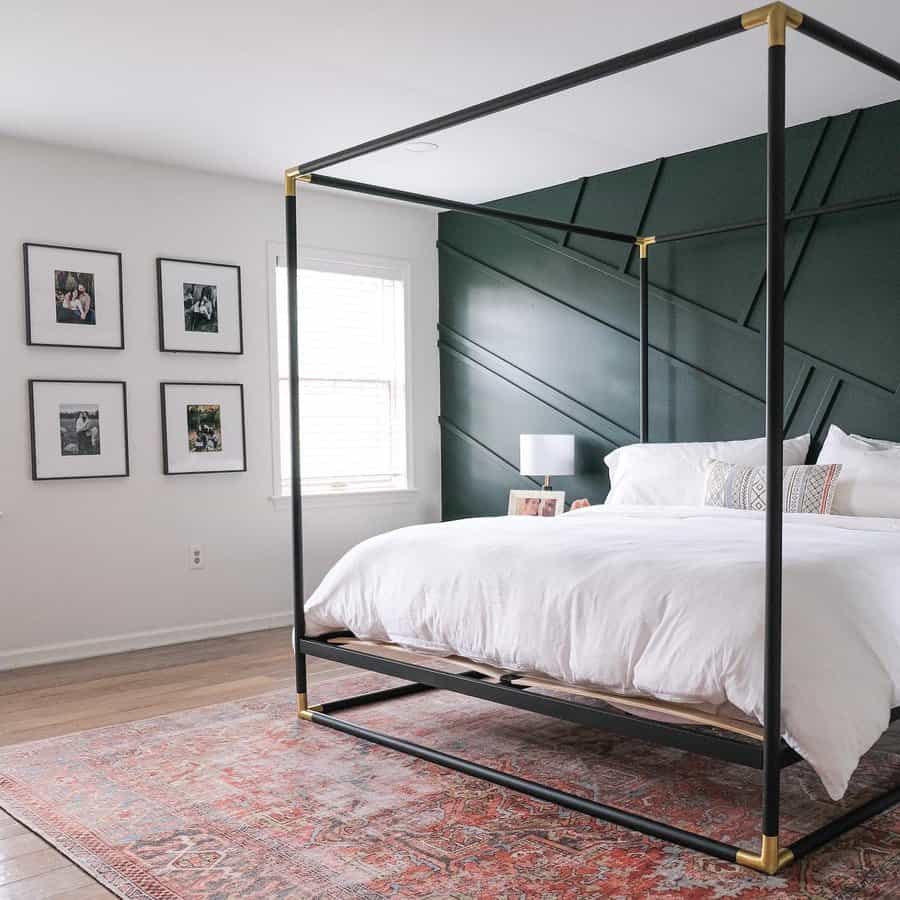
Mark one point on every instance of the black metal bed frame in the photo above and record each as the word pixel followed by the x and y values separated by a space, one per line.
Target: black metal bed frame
pixel 773 754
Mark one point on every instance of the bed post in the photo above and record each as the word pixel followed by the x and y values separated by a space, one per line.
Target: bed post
pixel 643 243
pixel 291 177
pixel 771 858
pixel 774 432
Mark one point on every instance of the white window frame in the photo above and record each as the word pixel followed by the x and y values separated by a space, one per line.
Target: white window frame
pixel 396 268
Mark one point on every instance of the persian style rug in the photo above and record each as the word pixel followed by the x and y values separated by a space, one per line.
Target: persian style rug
pixel 241 800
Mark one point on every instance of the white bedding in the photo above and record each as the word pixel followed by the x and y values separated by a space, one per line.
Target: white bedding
pixel 663 601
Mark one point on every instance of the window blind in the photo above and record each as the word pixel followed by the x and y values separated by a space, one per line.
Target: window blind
pixel 352 378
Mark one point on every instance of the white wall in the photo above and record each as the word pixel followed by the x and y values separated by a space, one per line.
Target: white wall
pixel 96 566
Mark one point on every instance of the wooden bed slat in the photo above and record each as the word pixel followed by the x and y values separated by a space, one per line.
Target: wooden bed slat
pixel 684 712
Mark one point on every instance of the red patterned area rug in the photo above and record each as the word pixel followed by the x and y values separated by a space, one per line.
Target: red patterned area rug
pixel 241 800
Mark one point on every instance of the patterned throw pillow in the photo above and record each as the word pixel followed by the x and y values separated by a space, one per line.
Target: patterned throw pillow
pixel 807 489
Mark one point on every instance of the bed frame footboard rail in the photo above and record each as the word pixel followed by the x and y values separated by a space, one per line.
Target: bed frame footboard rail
pixel 543 792
pixel 706 743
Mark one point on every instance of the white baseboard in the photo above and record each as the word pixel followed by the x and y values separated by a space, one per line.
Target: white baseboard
pixel 138 640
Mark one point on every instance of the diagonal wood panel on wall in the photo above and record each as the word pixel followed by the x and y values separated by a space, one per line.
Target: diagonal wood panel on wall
pixel 538 331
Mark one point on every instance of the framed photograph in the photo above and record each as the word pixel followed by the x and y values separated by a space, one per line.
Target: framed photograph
pixel 536 503
pixel 79 429
pixel 73 297
pixel 203 428
pixel 199 307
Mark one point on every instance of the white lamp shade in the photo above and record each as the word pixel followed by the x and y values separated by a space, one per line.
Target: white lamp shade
pixel 547 454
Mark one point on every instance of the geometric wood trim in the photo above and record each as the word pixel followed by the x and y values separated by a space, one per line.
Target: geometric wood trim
pixel 639 225
pixel 444 422
pixel 802 382
pixel 825 405
pixel 809 225
pixel 673 299
pixel 574 214
pixel 471 360
pixel 824 129
pixel 670 357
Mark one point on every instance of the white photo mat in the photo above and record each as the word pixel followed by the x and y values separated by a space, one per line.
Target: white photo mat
pixel 50 400
pixel 230 455
pixel 42 262
pixel 536 503
pixel 172 277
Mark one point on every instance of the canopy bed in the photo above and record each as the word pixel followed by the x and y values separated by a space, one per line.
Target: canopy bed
pixel 640 711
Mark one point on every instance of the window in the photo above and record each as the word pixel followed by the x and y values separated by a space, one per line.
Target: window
pixel 353 409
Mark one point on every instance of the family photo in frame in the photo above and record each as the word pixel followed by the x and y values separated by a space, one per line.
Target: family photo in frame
pixel 537 503
pixel 199 306
pixel 73 297
pixel 202 428
pixel 79 429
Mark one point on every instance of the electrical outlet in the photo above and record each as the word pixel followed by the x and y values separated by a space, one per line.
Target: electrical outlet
pixel 198 560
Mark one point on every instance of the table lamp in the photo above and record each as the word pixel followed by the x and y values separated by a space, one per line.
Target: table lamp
pixel 547 454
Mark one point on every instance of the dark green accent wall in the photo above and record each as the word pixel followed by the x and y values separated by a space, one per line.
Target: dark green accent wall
pixel 538 329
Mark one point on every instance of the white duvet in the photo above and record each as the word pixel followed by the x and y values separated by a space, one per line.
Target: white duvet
pixel 663 601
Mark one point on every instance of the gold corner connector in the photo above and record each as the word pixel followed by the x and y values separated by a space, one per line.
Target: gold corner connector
pixel 291 177
pixel 643 243
pixel 304 710
pixel 778 16
pixel 769 860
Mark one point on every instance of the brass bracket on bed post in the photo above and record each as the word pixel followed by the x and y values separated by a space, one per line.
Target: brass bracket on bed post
pixel 777 16
pixel 643 243
pixel 291 177
pixel 769 860
pixel 304 710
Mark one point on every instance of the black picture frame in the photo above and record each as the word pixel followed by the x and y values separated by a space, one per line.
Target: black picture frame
pixel 33 430
pixel 160 260
pixel 165 439
pixel 29 336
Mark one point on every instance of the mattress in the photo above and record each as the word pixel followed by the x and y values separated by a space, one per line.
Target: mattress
pixel 662 602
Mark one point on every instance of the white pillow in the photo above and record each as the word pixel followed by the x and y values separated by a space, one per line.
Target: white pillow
pixel 870 479
pixel 675 474
pixel 874 443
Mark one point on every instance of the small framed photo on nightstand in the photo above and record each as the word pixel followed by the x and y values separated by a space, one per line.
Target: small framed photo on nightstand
pixel 536 503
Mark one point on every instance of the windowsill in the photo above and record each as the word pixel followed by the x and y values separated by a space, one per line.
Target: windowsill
pixel 349 498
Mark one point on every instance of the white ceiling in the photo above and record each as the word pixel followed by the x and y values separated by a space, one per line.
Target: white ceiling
pixel 252 87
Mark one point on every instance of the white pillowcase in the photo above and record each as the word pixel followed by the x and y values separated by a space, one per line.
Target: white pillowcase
pixel 675 474
pixel 870 479
pixel 871 443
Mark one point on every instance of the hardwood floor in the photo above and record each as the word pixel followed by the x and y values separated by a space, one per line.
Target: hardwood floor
pixel 46 701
